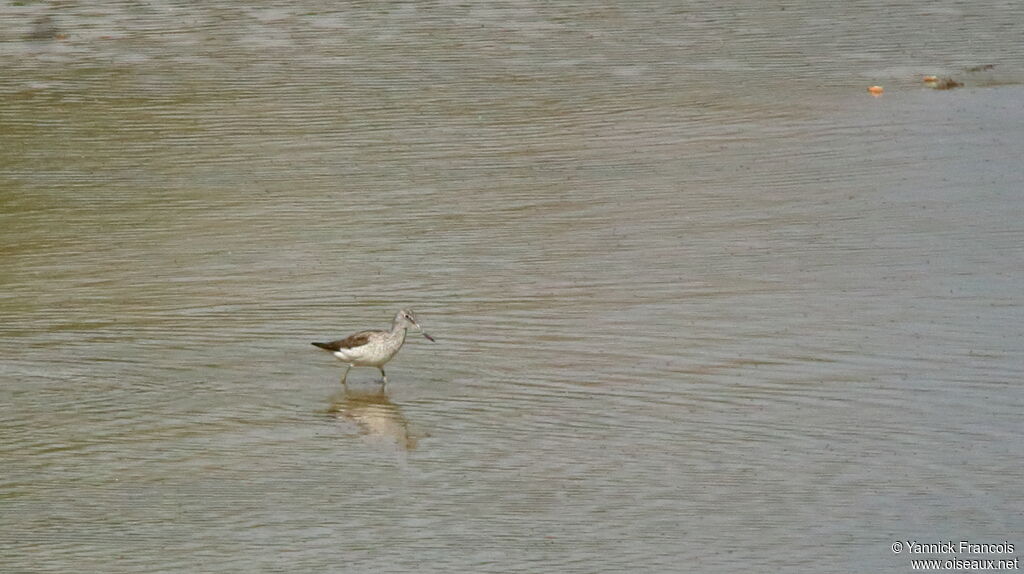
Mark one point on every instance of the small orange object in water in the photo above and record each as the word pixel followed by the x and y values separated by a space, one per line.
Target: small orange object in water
pixel 876 90
pixel 930 79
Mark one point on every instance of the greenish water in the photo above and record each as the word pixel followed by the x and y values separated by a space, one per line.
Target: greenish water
pixel 702 303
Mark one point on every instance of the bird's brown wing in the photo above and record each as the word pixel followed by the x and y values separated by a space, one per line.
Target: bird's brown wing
pixel 356 340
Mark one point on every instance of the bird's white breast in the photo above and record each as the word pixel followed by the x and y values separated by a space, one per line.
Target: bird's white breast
pixel 374 353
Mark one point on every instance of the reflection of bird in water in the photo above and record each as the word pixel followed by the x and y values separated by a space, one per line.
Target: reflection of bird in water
pixel 44 28
pixel 375 415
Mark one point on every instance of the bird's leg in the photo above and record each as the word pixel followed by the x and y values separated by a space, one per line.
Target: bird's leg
pixel 345 376
pixel 384 380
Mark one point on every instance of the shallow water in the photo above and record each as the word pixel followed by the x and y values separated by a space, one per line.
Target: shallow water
pixel 701 303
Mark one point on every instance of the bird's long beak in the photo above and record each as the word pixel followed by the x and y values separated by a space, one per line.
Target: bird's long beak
pixel 420 329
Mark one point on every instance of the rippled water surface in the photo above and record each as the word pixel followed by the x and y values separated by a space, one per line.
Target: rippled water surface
pixel 702 304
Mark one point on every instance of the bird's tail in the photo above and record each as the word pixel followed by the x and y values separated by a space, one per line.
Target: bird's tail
pixel 324 346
